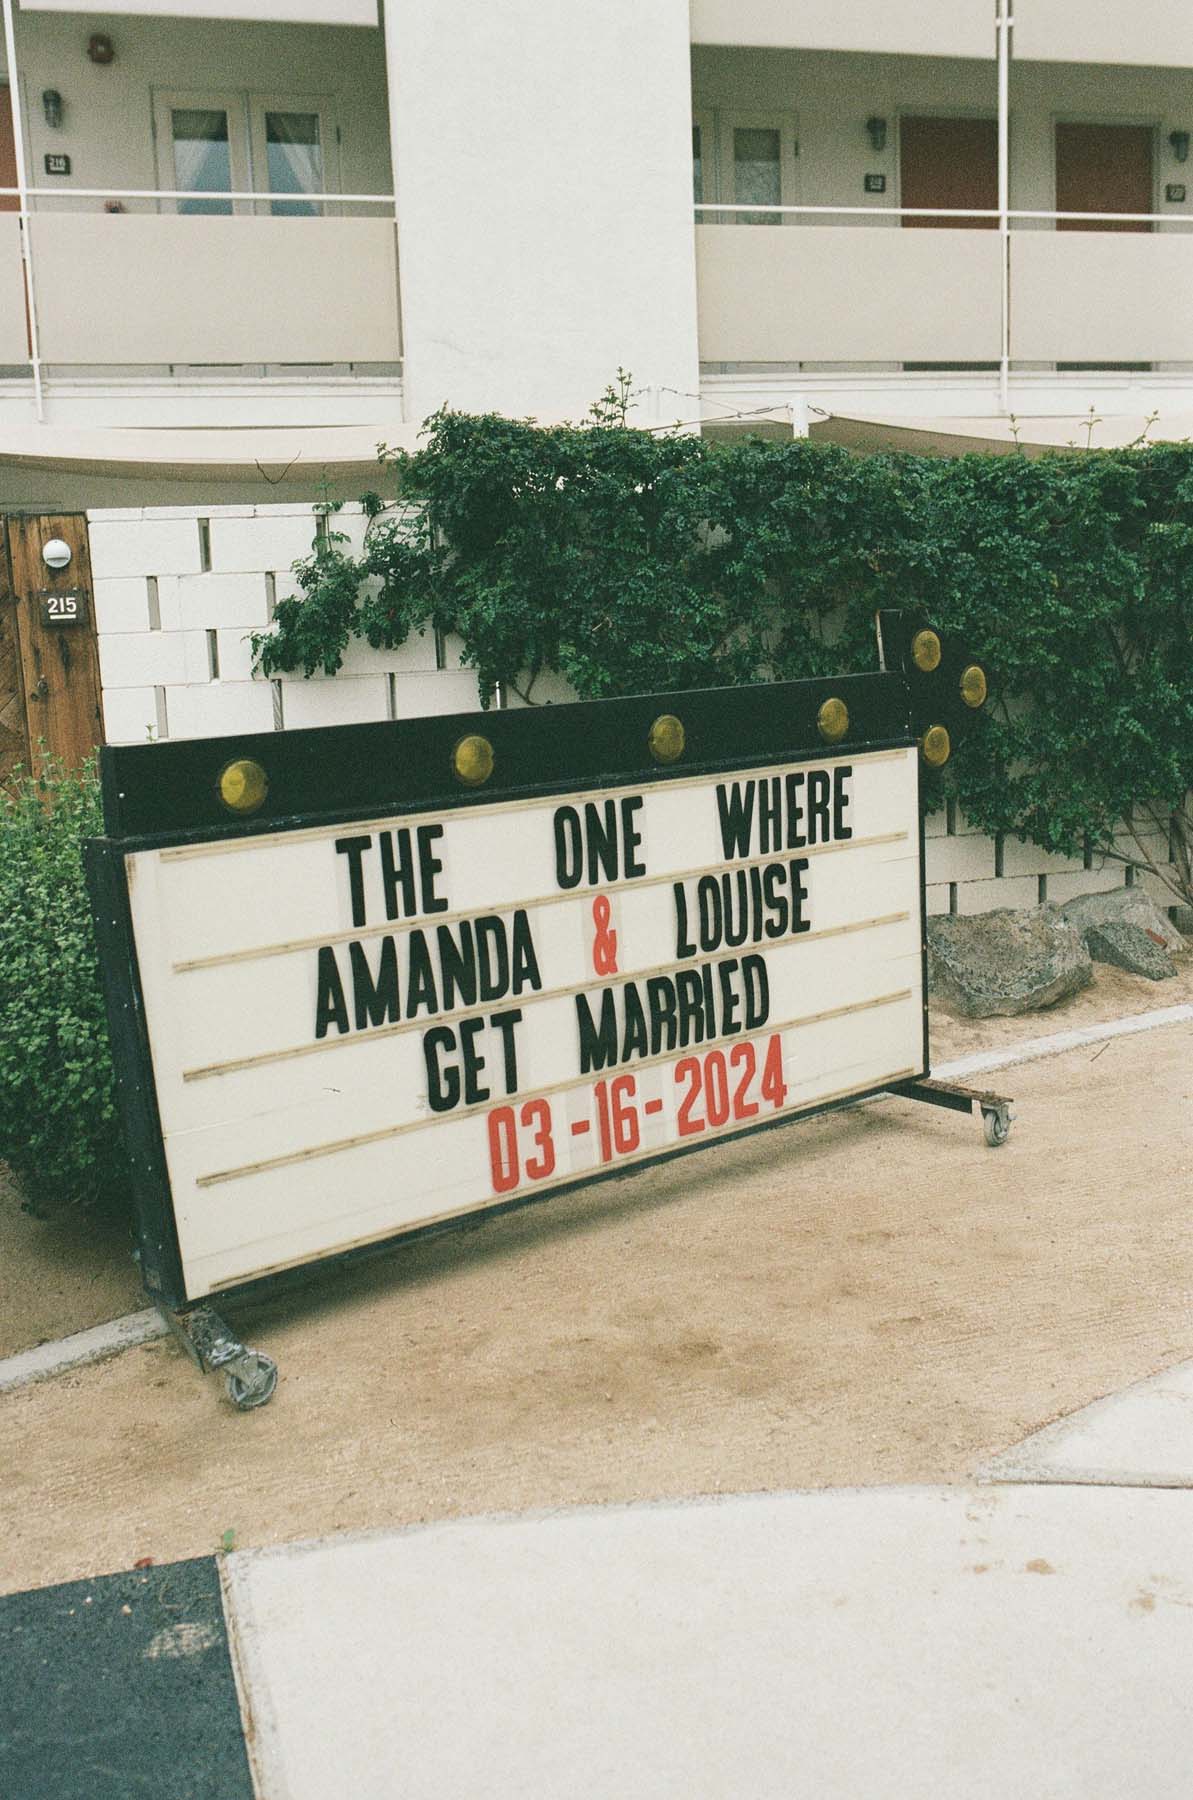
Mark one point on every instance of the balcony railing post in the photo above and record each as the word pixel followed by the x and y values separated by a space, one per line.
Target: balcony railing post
pixel 18 137
pixel 1003 29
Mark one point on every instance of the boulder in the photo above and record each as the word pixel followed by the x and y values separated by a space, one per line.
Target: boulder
pixel 1129 947
pixel 1012 961
pixel 1125 906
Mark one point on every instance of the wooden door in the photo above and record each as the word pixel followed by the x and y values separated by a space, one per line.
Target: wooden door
pixel 52 614
pixel 949 162
pixel 8 153
pixel 14 736
pixel 1104 168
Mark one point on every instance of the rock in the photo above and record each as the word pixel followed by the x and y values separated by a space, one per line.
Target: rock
pixel 1129 947
pixel 1012 961
pixel 1124 906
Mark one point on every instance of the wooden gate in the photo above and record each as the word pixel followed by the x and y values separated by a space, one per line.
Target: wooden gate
pixel 49 661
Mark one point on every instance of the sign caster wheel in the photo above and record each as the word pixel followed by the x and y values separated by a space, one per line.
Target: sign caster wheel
pixel 250 1376
pixel 996 1125
pixel 253 1385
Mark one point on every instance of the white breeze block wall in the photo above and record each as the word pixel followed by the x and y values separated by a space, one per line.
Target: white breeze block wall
pixel 178 590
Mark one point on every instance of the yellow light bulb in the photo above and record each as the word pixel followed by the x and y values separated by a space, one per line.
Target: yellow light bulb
pixel 936 746
pixel 472 760
pixel 667 738
pixel 832 721
pixel 973 685
pixel 243 786
pixel 925 651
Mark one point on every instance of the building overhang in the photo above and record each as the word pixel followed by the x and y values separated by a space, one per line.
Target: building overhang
pixel 274 12
pixel 996 436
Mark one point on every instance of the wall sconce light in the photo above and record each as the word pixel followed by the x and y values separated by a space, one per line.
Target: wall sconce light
pixel 101 49
pixel 1180 145
pixel 51 106
pixel 876 131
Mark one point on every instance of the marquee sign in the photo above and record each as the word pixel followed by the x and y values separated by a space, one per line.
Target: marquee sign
pixel 366 981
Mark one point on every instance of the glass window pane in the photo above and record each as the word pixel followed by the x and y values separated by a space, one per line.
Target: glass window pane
pixel 697 167
pixel 202 157
pixel 757 179
pixel 295 157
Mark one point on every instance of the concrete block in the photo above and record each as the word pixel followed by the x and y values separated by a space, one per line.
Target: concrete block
pixel 434 695
pixel 219 708
pixel 348 700
pixel 963 827
pixel 130 715
pixel 415 656
pixel 453 651
pixel 1086 881
pixel 235 653
pixel 142 658
pixel 258 544
pixel 240 511
pixel 987 896
pixel 196 657
pixel 968 858
pixel 937 897
pixel 550 689
pixel 211 602
pixel 145 547
pixel 1030 859
pixel 1157 891
pixel 113 515
pixel 936 824
pixel 121 604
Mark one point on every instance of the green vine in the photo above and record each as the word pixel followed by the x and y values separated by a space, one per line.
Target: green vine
pixel 634 561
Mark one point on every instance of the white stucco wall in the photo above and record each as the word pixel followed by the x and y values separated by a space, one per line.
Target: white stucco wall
pixel 543 169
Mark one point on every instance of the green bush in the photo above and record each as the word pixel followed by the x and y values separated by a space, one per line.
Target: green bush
pixel 634 561
pixel 58 1129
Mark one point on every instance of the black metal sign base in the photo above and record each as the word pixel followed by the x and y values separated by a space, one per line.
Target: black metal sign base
pixel 250 1376
pixel 995 1109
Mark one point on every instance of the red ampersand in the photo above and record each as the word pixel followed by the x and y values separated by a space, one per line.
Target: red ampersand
pixel 604 943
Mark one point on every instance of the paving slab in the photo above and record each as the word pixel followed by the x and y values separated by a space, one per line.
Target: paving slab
pixel 977 1644
pixel 120 1687
pixel 1141 1437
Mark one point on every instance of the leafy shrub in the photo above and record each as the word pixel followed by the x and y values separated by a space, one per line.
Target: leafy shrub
pixel 58 1129
pixel 633 561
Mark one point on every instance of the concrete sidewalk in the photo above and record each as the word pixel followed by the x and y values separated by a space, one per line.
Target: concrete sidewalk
pixel 979 1643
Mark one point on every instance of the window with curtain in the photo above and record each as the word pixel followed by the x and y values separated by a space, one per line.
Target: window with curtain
pixel 202 156
pixel 294 154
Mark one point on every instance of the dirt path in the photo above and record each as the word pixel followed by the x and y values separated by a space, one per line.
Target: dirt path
pixel 868 1297
pixel 66 1273
pixel 60 1274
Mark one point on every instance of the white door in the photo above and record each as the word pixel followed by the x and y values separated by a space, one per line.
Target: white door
pixel 294 154
pixel 202 149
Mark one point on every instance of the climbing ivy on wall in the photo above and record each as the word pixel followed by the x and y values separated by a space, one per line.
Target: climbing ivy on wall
pixel 634 561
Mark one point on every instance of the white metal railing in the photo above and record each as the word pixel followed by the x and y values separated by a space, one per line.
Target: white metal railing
pixel 1011 265
pixel 24 192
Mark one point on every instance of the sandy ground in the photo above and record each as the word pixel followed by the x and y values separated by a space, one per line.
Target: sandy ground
pixel 871 1296
pixel 66 1273
pixel 60 1274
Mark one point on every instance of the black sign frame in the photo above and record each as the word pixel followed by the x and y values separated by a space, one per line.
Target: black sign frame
pixel 157 796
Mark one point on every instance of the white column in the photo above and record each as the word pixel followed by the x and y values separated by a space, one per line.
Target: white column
pixel 542 167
